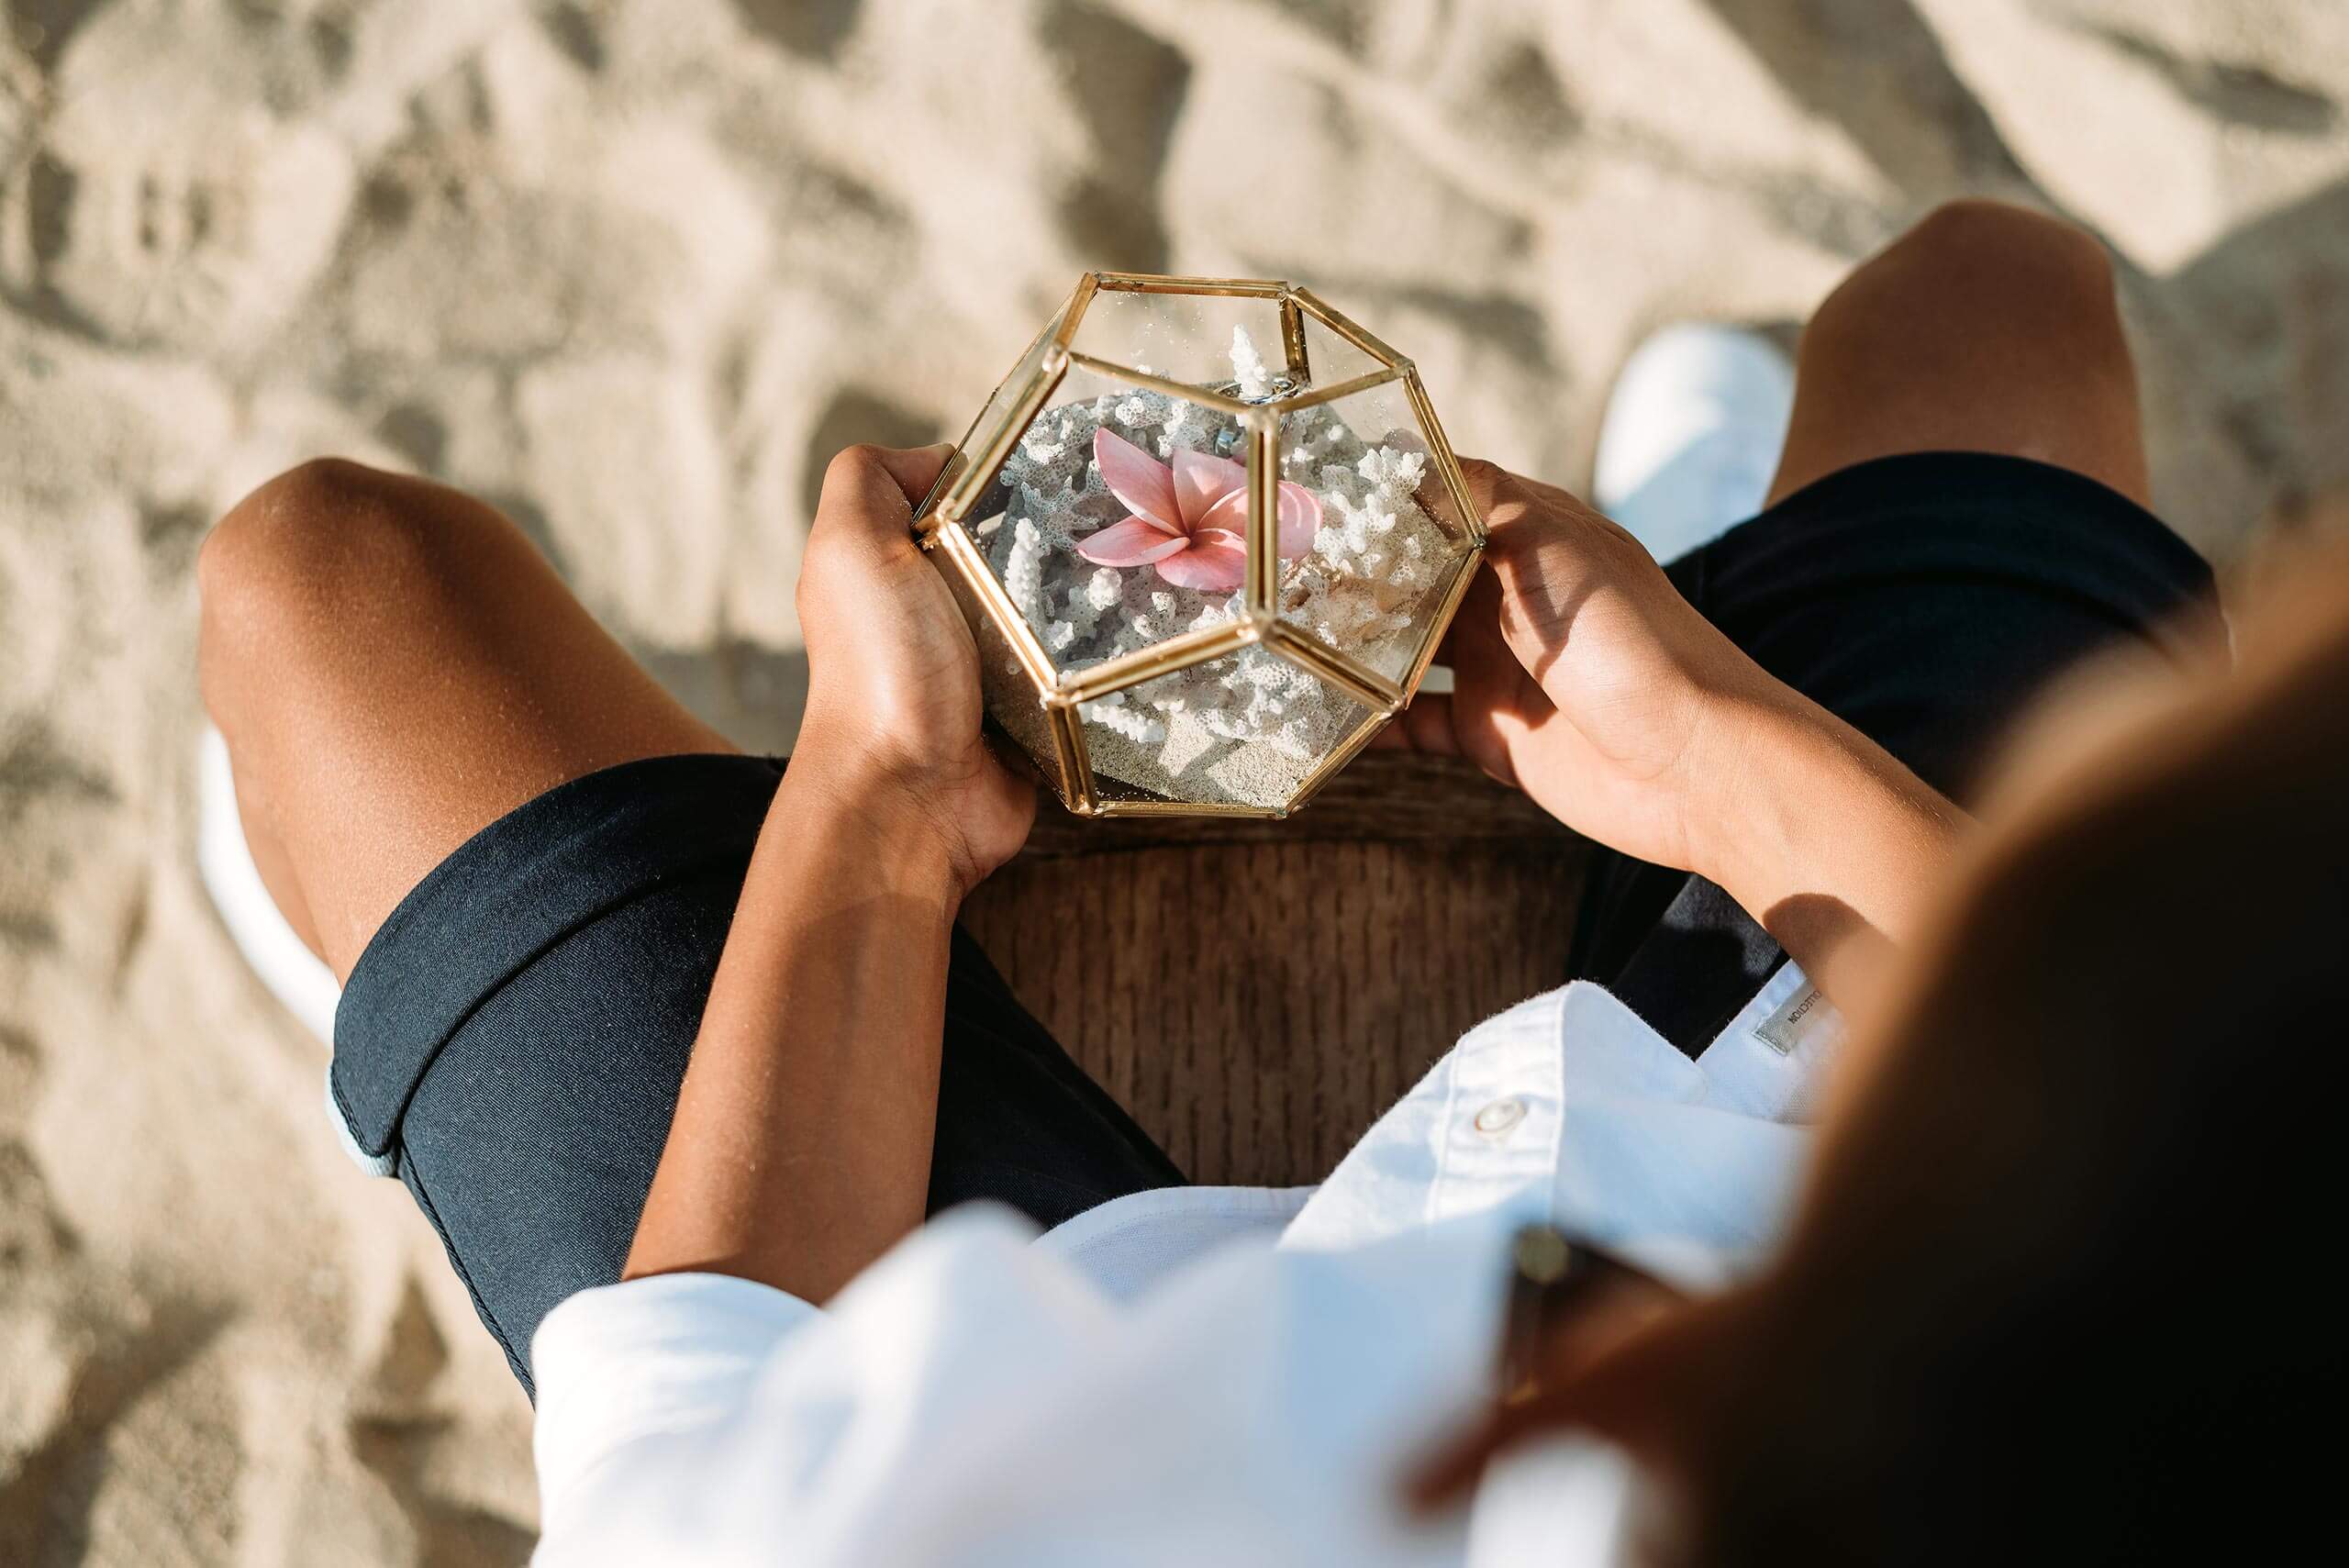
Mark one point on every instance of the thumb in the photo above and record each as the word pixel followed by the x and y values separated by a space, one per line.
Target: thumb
pixel 915 469
pixel 875 489
pixel 1501 497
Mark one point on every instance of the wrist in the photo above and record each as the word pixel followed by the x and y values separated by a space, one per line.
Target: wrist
pixel 908 845
pixel 1771 763
pixel 1739 736
pixel 1795 798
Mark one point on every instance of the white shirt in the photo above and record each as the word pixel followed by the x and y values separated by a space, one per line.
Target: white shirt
pixel 1196 1374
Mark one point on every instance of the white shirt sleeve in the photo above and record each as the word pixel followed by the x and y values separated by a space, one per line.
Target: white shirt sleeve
pixel 1175 1378
pixel 633 1368
pixel 973 1401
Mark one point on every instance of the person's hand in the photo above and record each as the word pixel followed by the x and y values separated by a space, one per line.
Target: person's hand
pixel 1583 677
pixel 893 702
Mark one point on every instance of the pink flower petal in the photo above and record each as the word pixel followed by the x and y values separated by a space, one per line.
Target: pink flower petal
pixel 1200 481
pixel 1230 514
pixel 1137 541
pixel 1301 519
pixel 1217 562
pixel 1138 479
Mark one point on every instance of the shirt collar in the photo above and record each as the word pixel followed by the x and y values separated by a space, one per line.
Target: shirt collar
pixel 1570 1109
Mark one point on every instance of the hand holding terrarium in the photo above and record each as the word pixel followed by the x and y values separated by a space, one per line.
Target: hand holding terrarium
pixel 1207 534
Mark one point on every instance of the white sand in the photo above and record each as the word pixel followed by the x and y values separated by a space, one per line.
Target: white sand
pixel 635 267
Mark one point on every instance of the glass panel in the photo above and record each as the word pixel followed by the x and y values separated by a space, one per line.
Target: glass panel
pixel 1330 358
pixel 1386 539
pixel 1012 699
pixel 1243 730
pixel 1227 343
pixel 1105 564
pixel 1006 393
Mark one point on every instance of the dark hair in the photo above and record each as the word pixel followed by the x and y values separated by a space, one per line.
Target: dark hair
pixel 2064 1286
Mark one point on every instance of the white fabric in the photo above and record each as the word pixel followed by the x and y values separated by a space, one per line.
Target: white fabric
pixel 1194 1376
pixel 292 974
pixel 1692 435
pixel 287 969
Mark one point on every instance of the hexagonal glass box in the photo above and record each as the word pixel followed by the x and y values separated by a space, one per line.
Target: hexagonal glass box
pixel 1207 533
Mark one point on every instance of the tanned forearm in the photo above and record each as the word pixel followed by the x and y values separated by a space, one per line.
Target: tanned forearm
pixel 1825 838
pixel 1583 674
pixel 800 1147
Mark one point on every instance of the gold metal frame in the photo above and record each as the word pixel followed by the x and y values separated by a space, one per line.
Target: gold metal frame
pixel 1348 750
pixel 1463 576
pixel 1205 396
pixel 1293 350
pixel 1076 768
pixel 1182 808
pixel 1447 461
pixel 1178 652
pixel 981 454
pixel 990 591
pixel 1315 657
pixel 1153 283
pixel 1344 327
pixel 1336 390
pixel 1262 583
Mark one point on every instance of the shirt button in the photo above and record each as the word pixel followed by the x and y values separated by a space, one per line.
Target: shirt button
pixel 1496 1119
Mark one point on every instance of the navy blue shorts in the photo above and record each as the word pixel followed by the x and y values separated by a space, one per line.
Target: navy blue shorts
pixel 511 1041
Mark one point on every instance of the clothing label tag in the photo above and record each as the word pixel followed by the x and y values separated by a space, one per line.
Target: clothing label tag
pixel 1803 1017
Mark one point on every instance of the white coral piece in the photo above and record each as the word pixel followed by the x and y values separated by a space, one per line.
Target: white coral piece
pixel 1393 467
pixel 1023 569
pixel 1248 366
pixel 1113 714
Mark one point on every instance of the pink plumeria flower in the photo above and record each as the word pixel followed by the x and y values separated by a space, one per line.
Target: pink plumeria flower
pixel 1188 519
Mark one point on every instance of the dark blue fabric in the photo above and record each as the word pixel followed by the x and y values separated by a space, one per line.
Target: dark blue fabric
pixel 1924 599
pixel 516 1031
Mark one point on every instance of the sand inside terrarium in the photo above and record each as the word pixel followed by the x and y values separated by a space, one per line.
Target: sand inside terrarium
pixel 1245 728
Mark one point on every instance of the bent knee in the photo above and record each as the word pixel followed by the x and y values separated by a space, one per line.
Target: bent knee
pixel 292 561
pixel 1982 234
pixel 1985 328
pixel 1972 279
pixel 295 529
pixel 1974 254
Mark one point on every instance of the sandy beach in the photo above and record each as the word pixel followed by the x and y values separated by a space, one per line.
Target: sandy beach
pixel 635 269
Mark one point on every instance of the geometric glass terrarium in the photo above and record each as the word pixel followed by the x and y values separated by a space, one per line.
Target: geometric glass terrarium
pixel 1207 534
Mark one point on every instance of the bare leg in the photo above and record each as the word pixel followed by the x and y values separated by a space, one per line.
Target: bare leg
pixel 395 667
pixel 1986 328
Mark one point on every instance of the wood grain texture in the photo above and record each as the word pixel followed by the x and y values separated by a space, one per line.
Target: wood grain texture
pixel 1256 992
